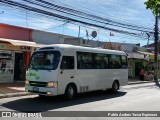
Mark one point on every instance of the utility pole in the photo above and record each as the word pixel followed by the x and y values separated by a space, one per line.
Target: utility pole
pixel 156 49
pixel 148 39
pixel 79 31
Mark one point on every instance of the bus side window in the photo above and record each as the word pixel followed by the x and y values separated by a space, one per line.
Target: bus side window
pixel 67 62
pixel 84 60
pixel 124 62
pixel 106 61
pixel 115 62
pixel 101 61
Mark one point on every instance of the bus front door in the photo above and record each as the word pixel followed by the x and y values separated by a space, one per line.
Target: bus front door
pixel 66 73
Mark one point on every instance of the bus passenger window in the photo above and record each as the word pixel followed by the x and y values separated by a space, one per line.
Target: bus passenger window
pixel 115 62
pixel 84 60
pixel 101 61
pixel 124 62
pixel 67 62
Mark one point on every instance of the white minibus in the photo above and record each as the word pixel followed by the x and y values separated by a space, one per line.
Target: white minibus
pixel 67 69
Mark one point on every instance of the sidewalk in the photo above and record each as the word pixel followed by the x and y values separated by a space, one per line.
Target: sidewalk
pixel 18 89
pixel 12 90
pixel 132 81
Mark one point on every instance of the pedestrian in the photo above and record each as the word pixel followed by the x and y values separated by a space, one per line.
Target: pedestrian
pixel 142 73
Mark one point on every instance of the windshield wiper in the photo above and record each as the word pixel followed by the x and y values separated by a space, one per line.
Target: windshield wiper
pixel 43 68
pixel 48 69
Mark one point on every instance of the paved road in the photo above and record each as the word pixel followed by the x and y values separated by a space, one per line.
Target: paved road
pixel 139 97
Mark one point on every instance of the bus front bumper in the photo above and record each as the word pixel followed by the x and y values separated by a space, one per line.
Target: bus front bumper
pixel 47 91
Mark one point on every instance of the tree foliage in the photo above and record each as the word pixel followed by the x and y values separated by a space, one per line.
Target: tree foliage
pixel 154 5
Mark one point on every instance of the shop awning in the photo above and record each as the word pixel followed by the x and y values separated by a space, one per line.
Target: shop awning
pixel 145 53
pixel 151 55
pixel 20 43
pixel 135 55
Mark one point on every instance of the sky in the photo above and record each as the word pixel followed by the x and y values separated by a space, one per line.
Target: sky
pixel 132 12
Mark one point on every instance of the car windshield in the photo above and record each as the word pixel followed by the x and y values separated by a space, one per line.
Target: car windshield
pixel 45 60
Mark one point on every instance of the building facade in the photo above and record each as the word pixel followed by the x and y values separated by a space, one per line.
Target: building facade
pixel 18 43
pixel 16 46
pixel 14 52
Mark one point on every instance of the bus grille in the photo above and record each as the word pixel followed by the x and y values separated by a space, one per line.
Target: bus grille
pixel 38 84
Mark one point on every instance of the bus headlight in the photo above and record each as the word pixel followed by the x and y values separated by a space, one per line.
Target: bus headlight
pixel 26 82
pixel 52 84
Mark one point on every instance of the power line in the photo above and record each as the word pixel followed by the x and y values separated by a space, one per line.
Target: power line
pixel 93 11
pixel 64 9
pixel 39 11
pixel 87 18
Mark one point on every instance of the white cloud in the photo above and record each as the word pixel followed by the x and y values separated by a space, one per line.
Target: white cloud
pixel 131 11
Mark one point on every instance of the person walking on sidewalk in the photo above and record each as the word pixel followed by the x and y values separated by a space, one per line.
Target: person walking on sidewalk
pixel 142 73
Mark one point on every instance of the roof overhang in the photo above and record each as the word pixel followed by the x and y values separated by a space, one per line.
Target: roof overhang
pixel 135 55
pixel 20 42
pixel 145 53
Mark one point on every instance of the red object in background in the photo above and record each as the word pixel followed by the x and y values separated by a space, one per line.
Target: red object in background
pixel 15 32
pixel 111 34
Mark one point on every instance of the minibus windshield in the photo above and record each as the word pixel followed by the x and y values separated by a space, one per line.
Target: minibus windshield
pixel 44 60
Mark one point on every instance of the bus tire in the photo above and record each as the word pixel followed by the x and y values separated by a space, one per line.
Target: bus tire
pixel 70 92
pixel 41 96
pixel 115 86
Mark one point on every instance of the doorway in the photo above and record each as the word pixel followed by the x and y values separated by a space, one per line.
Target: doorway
pixel 138 66
pixel 18 67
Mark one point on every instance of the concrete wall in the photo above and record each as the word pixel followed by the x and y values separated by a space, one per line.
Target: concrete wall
pixel 42 37
pixel 73 41
pixel 128 47
pixel 45 37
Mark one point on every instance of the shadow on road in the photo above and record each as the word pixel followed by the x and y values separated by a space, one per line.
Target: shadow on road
pixel 37 104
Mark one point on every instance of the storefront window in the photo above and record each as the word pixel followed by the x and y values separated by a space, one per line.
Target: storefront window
pixel 6 66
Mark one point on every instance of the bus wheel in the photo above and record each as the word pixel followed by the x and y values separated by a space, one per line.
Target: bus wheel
pixel 41 96
pixel 70 92
pixel 115 87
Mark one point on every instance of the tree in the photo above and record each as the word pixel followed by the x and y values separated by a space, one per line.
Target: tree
pixel 154 6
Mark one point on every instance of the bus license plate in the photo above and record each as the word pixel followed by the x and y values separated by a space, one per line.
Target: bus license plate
pixel 36 89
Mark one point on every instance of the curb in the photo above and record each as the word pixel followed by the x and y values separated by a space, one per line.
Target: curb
pixel 139 82
pixel 8 95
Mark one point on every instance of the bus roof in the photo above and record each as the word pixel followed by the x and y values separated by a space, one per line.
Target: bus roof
pixel 80 48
